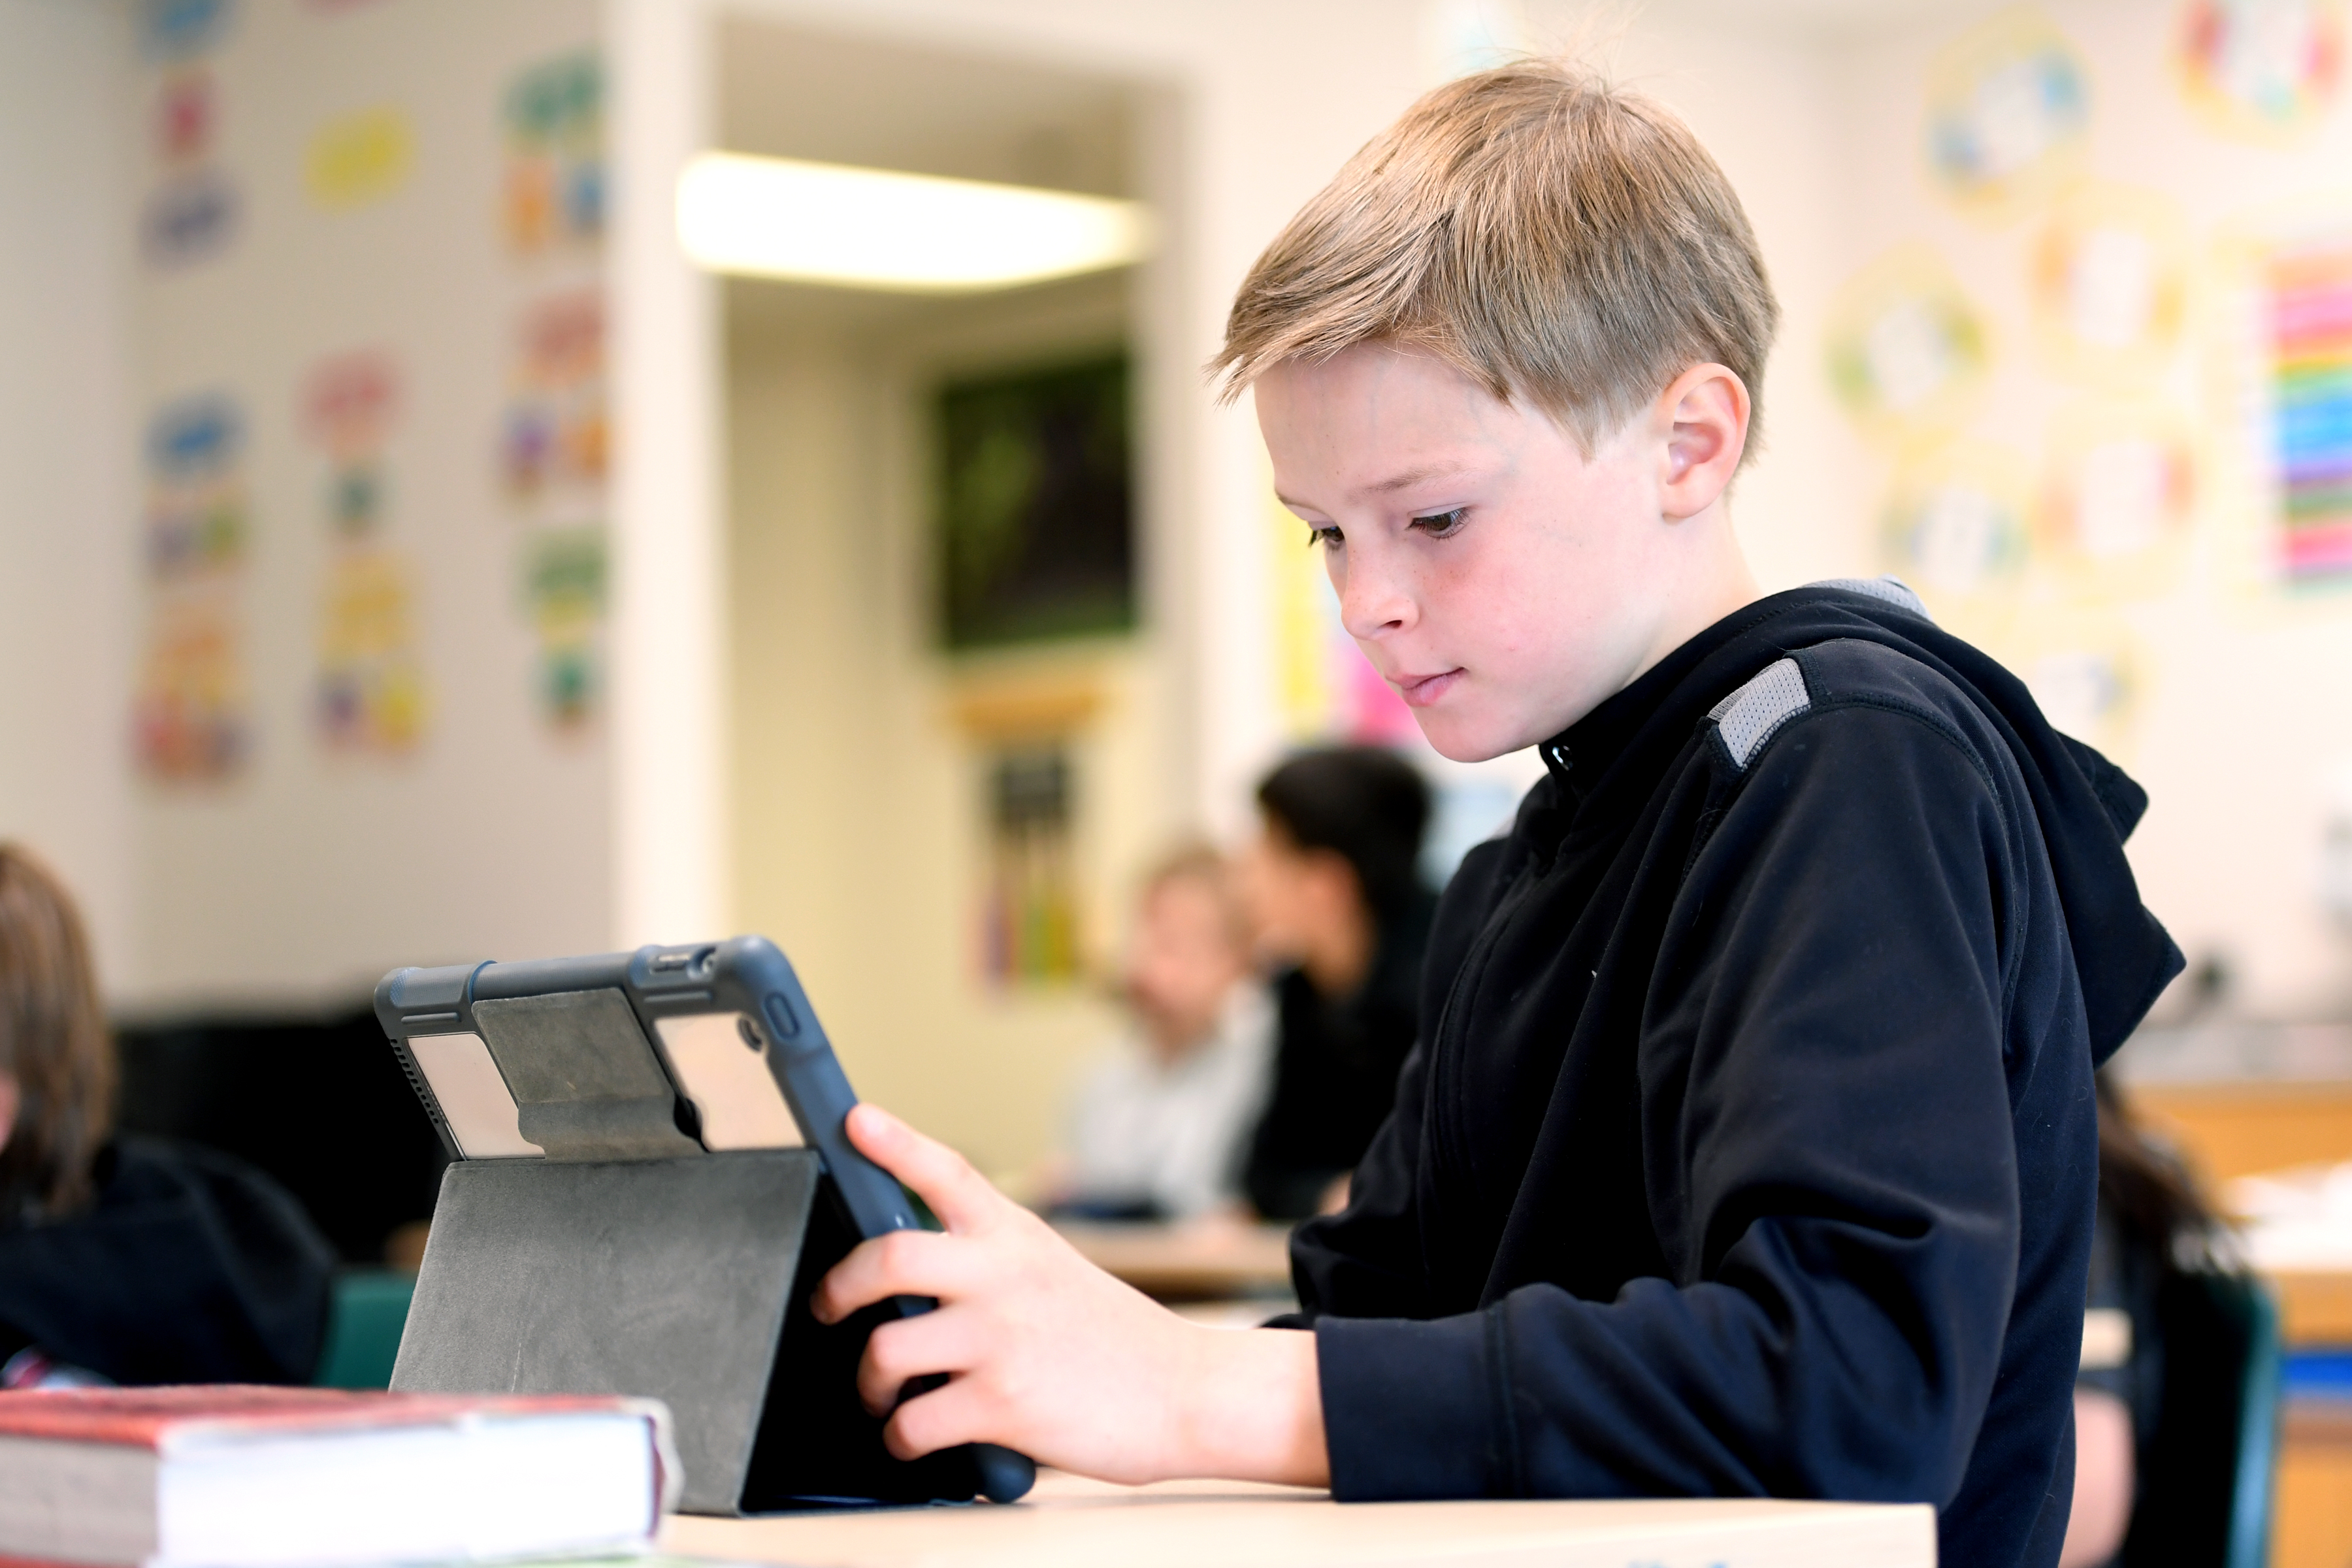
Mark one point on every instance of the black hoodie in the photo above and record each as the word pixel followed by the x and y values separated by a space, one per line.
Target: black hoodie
pixel 1750 1145
pixel 190 1266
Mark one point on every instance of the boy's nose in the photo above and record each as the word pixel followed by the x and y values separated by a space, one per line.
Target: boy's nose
pixel 1372 605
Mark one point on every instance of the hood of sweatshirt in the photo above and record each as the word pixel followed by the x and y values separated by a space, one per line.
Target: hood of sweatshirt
pixel 2087 805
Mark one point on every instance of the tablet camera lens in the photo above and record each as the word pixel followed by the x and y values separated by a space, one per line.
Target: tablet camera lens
pixel 751 1033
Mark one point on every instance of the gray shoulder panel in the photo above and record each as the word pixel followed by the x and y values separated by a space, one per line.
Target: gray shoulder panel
pixel 1886 590
pixel 1749 716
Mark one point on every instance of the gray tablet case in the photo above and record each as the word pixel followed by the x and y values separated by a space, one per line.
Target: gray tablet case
pixel 603 1227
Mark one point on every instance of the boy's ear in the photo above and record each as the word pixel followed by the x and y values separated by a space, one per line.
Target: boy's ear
pixel 1703 417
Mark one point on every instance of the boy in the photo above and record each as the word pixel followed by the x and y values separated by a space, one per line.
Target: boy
pixel 1748 1144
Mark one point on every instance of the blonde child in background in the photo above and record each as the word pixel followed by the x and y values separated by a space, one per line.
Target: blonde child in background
pixel 1160 1122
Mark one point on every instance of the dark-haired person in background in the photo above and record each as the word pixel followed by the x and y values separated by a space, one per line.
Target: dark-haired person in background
pixel 125 1260
pixel 1334 885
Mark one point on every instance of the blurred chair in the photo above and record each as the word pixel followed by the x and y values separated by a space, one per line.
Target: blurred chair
pixel 369 1309
pixel 2206 1477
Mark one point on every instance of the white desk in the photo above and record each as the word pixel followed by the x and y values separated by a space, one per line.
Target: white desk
pixel 1073 1524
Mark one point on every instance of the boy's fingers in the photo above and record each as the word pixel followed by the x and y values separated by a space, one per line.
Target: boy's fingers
pixel 911 1348
pixel 959 1194
pixel 940 1419
pixel 903 1263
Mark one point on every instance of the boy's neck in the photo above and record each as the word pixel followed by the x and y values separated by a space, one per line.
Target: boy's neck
pixel 1711 580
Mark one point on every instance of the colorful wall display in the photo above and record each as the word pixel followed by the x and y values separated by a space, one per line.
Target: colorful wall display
pixel 2308 331
pixel 555 438
pixel 554 186
pixel 2110 281
pixel 194 210
pixel 563 577
pixel 178 29
pixel 2119 489
pixel 372 696
pixel 1907 351
pixel 2263 70
pixel 1030 927
pixel 1956 526
pixel 358 158
pixel 191 710
pixel 2007 111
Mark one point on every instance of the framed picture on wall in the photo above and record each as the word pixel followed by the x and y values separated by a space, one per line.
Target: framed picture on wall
pixel 1036 536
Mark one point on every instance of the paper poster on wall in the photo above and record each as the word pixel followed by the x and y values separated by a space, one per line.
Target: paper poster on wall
pixel 191 710
pixel 192 217
pixel 2008 111
pixel 2110 285
pixel 180 30
pixel 2118 487
pixel 185 116
pixel 1907 351
pixel 1030 930
pixel 563 590
pixel 2261 70
pixel 195 209
pixel 358 158
pixel 1956 528
pixel 555 185
pixel 372 697
pixel 555 436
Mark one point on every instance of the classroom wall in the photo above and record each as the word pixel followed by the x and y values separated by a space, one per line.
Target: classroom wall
pixel 860 791
pixel 461 809
pixel 2229 704
pixel 65 445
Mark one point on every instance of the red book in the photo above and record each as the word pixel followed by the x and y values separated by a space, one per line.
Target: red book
pixel 233 1476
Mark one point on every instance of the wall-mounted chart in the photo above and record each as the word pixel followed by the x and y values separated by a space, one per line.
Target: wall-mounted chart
pixel 191 711
pixel 1907 351
pixel 2118 489
pixel 2261 70
pixel 2009 108
pixel 2110 285
pixel 372 695
pixel 1956 527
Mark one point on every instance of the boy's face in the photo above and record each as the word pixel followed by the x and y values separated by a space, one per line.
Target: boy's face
pixel 1503 581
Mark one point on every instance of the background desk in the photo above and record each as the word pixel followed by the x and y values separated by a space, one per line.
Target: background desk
pixel 1073 1524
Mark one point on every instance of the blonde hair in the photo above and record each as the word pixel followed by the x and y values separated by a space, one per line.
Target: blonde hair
pixel 53 1041
pixel 1547 234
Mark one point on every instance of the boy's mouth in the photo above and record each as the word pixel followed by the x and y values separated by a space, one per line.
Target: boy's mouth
pixel 1421 690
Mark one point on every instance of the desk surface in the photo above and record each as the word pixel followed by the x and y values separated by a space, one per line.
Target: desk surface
pixel 1226 1524
pixel 1198 1260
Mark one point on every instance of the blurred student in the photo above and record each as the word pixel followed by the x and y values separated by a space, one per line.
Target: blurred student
pixel 2149 1216
pixel 1335 888
pixel 1159 1125
pixel 124 1259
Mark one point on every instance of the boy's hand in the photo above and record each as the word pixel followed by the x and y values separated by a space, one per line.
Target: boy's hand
pixel 1050 1355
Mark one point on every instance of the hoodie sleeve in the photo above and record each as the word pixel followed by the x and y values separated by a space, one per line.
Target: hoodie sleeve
pixel 1831 1160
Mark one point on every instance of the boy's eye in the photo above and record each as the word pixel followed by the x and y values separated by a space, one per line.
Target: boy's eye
pixel 1441 524
pixel 1329 536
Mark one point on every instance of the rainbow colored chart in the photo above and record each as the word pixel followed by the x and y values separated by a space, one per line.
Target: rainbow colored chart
pixel 2310 327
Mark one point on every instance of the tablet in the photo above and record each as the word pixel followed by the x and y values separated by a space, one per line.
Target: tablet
pixel 663 1053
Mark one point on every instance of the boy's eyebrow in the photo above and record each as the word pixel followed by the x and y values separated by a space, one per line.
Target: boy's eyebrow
pixel 1398 481
pixel 1411 477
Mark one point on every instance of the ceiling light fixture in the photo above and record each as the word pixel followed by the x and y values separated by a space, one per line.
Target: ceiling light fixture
pixel 879 228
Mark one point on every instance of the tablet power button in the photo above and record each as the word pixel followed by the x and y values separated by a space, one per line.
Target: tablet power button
pixel 780 1015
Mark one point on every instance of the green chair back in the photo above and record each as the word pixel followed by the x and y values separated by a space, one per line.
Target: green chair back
pixel 364 1318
